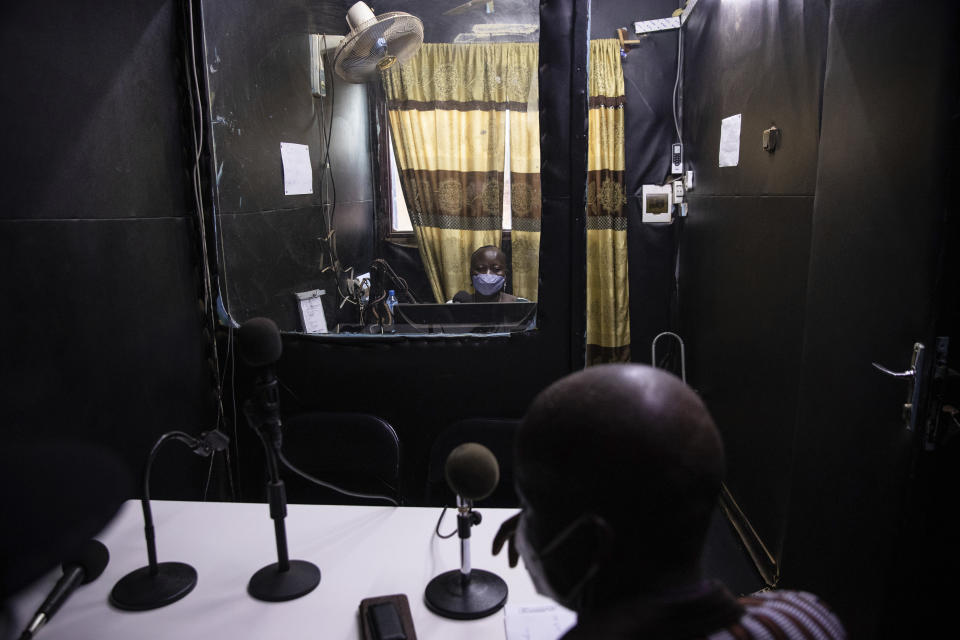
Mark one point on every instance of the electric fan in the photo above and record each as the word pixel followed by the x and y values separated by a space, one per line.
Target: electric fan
pixel 375 42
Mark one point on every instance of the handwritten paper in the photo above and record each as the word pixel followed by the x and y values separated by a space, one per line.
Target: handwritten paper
pixel 537 622
pixel 297 170
pixel 730 141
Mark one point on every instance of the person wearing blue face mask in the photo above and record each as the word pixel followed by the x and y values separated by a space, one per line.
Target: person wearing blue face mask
pixel 618 471
pixel 488 272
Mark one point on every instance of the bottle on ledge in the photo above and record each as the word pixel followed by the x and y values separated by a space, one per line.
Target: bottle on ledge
pixel 391 304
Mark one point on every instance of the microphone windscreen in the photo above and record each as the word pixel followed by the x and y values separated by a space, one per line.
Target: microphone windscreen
pixel 92 558
pixel 472 471
pixel 260 343
pixel 463 296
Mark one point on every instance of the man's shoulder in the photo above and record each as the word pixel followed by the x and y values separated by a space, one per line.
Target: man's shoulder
pixel 790 613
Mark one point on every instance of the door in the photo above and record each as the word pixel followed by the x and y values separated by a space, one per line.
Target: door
pixel 876 284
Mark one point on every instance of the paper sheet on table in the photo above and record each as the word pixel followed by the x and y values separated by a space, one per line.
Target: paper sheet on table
pixel 537 622
pixel 297 171
pixel 730 141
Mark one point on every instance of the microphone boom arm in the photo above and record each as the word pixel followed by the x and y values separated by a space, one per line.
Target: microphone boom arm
pixel 160 584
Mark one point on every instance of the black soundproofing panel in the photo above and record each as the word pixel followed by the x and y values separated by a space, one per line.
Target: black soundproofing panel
pixel 100 292
pixel 744 251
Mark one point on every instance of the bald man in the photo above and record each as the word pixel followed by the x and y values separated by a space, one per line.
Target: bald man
pixel 618 470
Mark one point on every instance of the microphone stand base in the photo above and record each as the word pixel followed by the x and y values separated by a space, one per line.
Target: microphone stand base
pixel 272 585
pixel 141 591
pixel 452 596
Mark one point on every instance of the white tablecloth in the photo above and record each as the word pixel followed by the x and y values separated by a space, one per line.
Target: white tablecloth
pixel 361 552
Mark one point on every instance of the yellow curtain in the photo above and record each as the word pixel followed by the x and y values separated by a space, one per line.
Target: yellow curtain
pixel 447 111
pixel 525 207
pixel 608 293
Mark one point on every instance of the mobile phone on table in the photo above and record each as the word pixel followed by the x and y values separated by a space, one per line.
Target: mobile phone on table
pixel 387 618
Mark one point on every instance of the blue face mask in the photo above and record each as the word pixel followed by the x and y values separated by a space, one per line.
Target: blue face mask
pixel 488 284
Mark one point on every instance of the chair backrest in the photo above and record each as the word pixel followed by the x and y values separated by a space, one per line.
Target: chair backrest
pixel 356 451
pixel 497 434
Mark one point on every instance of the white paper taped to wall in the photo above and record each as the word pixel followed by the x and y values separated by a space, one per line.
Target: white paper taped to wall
pixel 730 141
pixel 297 170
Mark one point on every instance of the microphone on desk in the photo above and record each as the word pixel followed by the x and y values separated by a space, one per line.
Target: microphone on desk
pixel 161 583
pixel 472 473
pixel 85 567
pixel 260 348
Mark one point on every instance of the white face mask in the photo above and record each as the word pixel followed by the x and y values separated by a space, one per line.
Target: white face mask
pixel 533 561
pixel 488 284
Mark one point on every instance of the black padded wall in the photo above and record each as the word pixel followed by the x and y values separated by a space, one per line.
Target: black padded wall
pixel 649 73
pixel 103 335
pixel 745 247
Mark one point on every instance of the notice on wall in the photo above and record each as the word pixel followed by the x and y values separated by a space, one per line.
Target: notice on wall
pixel 537 622
pixel 297 170
pixel 311 311
pixel 730 141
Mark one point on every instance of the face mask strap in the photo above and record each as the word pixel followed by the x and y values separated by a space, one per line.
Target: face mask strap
pixel 574 592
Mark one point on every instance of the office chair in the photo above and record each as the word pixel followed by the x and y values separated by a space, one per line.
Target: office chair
pixel 356 451
pixel 497 434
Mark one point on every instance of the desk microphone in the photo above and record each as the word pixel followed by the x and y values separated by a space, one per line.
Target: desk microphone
pixel 472 473
pixel 85 567
pixel 260 348
pixel 161 583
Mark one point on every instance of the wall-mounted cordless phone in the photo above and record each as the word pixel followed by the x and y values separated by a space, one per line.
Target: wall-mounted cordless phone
pixel 676 158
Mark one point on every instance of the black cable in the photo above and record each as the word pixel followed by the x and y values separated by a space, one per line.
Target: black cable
pixel 353 494
pixel 197 123
pixel 437 528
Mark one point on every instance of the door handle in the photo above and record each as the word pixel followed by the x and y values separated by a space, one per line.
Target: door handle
pixel 911 408
pixel 909 373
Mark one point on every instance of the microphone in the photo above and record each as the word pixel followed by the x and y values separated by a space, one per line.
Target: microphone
pixel 86 567
pixel 472 472
pixel 161 583
pixel 260 348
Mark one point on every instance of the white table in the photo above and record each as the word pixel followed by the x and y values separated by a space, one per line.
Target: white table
pixel 361 552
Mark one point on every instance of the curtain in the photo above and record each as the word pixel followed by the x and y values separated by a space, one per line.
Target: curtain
pixel 447 110
pixel 525 207
pixel 608 293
